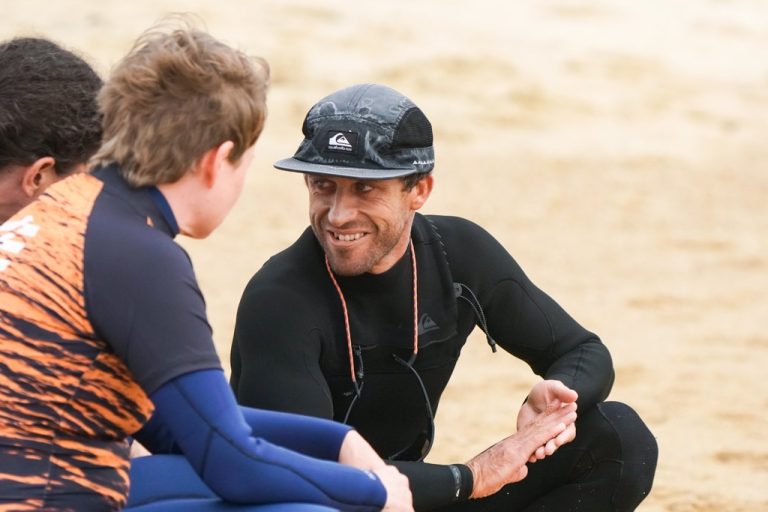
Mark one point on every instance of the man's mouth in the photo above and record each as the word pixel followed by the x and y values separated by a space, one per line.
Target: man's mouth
pixel 347 237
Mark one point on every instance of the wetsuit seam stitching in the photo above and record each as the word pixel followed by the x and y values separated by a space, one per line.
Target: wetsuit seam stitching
pixel 530 298
pixel 620 459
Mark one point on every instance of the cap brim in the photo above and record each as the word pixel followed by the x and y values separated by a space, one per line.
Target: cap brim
pixel 294 165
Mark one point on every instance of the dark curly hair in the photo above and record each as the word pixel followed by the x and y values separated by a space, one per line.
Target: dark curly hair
pixel 47 105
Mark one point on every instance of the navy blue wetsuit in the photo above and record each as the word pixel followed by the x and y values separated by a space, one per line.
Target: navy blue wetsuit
pixel 102 327
pixel 290 337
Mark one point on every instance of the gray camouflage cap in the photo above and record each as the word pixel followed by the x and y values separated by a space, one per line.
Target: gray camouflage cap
pixel 366 131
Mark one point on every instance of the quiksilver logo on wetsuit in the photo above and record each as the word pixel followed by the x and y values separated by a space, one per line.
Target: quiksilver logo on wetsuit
pixel 426 324
pixel 342 142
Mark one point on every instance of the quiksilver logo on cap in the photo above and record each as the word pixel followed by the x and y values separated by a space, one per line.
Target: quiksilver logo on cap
pixel 342 142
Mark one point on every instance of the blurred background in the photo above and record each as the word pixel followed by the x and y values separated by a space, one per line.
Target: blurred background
pixel 614 147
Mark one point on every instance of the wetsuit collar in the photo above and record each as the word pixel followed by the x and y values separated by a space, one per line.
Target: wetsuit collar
pixel 144 201
pixel 165 209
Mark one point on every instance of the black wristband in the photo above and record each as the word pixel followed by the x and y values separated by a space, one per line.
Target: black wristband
pixel 456 481
pixel 464 481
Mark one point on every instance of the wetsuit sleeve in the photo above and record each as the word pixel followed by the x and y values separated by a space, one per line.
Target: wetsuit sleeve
pixel 143 298
pixel 290 431
pixel 283 429
pixel 282 349
pixel 523 319
pixel 436 485
pixel 202 417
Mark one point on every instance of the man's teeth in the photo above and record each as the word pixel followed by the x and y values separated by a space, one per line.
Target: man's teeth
pixel 348 238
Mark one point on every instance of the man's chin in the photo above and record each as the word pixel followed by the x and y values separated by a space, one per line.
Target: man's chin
pixel 347 267
pixel 347 270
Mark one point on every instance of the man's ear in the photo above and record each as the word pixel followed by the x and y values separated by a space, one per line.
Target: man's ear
pixel 213 161
pixel 421 191
pixel 38 176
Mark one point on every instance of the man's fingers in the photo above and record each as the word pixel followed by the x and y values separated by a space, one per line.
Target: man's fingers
pixel 550 429
pixel 549 425
pixel 554 405
pixel 569 418
pixel 563 392
pixel 566 436
pixel 566 414
pixel 551 446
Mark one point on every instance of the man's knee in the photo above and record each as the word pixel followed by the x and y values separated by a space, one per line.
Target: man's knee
pixel 638 454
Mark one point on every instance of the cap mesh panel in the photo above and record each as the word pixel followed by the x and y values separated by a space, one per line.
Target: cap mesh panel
pixel 413 131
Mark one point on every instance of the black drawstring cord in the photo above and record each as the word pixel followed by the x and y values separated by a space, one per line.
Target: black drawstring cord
pixel 358 390
pixel 359 383
pixel 474 303
pixel 409 365
pixel 431 436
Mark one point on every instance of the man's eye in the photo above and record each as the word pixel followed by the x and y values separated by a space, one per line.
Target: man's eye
pixel 363 187
pixel 319 184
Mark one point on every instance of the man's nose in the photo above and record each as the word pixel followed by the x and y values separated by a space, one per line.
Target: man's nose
pixel 343 209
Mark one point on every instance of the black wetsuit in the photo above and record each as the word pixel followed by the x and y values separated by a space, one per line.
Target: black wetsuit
pixel 290 353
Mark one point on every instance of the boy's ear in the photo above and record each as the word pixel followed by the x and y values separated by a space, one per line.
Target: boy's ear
pixel 213 161
pixel 38 176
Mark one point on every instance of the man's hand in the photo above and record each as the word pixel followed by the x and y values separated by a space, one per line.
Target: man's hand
pixel 546 395
pixel 356 452
pixel 504 462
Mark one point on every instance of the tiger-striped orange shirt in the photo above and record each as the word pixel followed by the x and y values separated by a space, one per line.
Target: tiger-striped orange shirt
pixel 91 287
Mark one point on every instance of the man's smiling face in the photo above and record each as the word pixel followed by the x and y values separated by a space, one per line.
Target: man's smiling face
pixel 363 225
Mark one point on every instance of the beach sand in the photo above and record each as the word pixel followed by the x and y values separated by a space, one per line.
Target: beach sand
pixel 613 147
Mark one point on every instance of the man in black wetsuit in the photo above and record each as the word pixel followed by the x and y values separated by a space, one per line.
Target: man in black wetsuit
pixel 363 318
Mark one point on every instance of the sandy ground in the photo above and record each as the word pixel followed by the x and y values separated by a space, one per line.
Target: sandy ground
pixel 613 147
